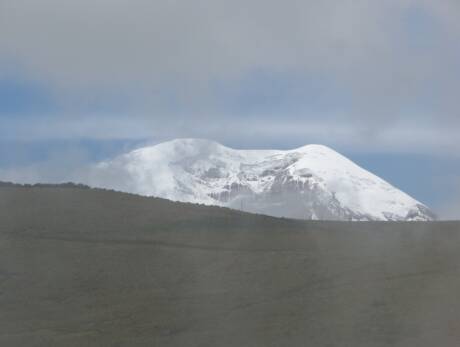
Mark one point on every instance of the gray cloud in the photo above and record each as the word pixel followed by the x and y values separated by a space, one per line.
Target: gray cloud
pixel 395 60
pixel 145 41
pixel 60 165
pixel 449 209
pixel 249 132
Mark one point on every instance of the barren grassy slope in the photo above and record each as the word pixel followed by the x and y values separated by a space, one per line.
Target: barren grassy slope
pixel 82 267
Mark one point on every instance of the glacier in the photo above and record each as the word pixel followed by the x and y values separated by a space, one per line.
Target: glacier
pixel 310 182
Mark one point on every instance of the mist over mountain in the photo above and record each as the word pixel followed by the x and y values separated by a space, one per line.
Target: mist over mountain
pixel 310 182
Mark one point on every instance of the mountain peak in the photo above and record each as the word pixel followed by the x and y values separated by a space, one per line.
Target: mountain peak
pixel 191 141
pixel 309 182
pixel 314 147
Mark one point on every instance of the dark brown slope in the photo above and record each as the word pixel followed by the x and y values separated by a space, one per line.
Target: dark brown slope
pixel 81 267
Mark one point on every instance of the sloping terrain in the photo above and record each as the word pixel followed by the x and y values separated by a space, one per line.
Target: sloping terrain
pixel 310 182
pixel 84 267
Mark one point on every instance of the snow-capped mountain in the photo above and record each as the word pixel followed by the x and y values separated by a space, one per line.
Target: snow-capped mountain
pixel 310 182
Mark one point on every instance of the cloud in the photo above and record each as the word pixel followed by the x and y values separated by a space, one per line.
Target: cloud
pixel 376 66
pixel 101 42
pixel 449 208
pixel 59 165
pixel 249 132
pixel 105 42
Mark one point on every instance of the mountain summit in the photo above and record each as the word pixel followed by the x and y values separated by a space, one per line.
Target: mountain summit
pixel 310 182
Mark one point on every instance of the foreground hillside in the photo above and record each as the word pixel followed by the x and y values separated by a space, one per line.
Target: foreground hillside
pixel 83 267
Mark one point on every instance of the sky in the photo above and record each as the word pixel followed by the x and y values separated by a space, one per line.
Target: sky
pixel 378 81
